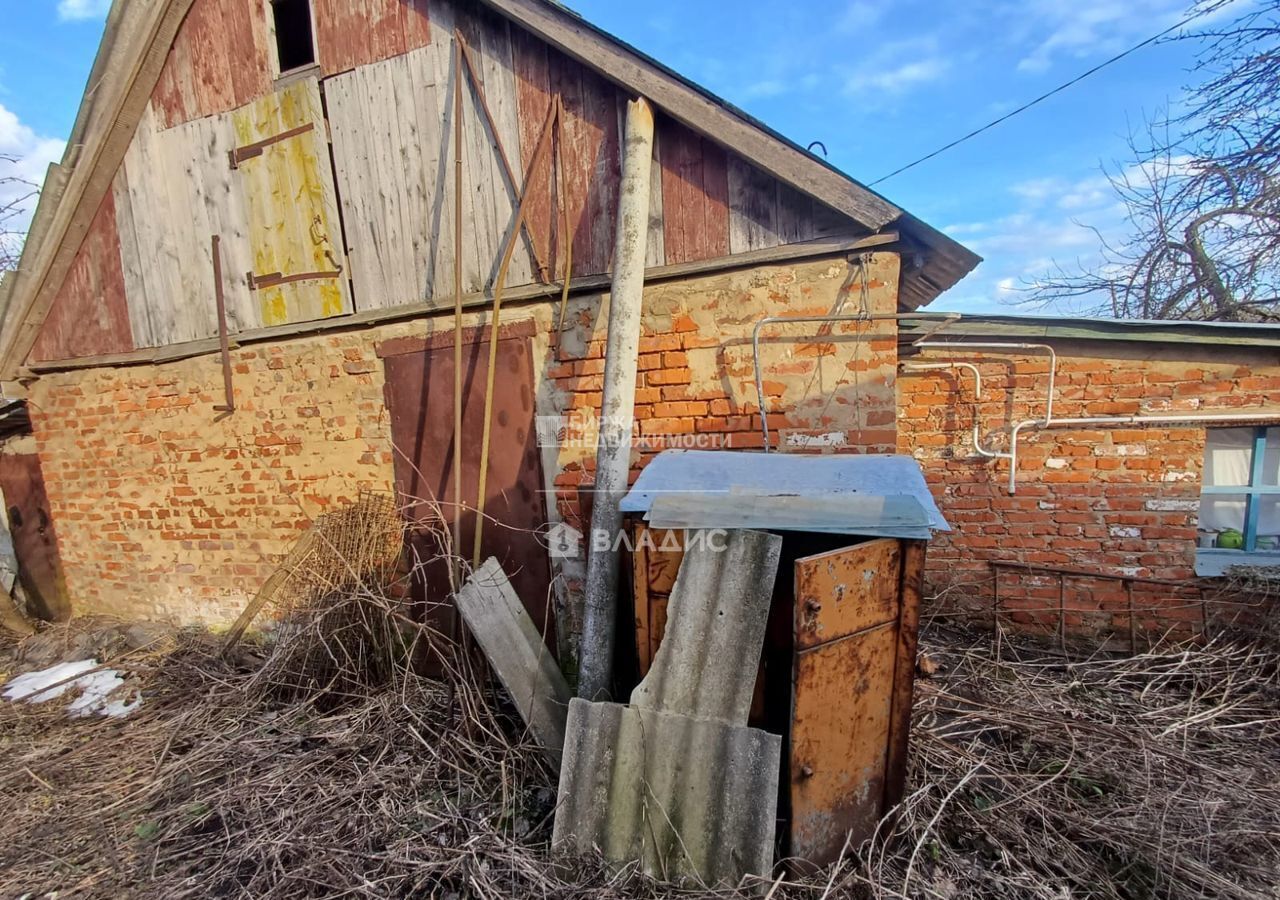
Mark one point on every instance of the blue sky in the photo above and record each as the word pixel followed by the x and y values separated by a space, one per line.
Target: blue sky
pixel 879 83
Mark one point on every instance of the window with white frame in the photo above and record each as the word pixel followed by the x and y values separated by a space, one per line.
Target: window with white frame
pixel 1240 497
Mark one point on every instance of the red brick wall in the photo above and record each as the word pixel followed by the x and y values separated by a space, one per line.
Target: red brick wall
pixel 1120 500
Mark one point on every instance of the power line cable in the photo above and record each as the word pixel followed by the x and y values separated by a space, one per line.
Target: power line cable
pixel 1045 96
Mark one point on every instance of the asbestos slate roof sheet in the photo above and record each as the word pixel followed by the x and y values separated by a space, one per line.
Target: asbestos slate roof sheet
pixel 872 494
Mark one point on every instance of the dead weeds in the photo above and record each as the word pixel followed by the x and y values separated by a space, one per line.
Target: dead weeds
pixel 1032 777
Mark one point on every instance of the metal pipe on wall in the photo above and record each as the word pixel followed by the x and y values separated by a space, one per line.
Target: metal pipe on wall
pixel 617 408
pixel 774 320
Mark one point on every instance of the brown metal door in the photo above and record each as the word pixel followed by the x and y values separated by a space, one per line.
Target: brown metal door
pixel 34 542
pixel 846 638
pixel 419 395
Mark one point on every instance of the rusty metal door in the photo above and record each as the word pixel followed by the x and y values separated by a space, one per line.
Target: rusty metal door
pixel 419 396
pixel 847 605
pixel 34 542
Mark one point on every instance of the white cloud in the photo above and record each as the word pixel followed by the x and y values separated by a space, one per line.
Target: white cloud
pixel 1084 28
pixel 25 160
pixel 859 16
pixel 1050 228
pixel 899 79
pixel 78 10
pixel 769 87
pixel 898 66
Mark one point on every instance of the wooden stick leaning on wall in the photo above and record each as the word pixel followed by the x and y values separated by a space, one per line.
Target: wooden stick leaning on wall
pixel 517 187
pixel 553 115
pixel 456 568
pixel 566 239
pixel 224 341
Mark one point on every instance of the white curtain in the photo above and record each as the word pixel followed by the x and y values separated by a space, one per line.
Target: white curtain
pixel 1228 459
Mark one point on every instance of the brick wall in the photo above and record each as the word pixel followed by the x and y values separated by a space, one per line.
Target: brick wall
pixel 1121 500
pixel 165 510
pixel 696 386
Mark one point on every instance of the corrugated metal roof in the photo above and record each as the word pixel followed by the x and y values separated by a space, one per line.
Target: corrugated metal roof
pixel 847 494
pixel 1085 328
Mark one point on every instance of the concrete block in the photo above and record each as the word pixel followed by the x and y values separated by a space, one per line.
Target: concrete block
pixel 687 797
pixel 716 617
pixel 510 641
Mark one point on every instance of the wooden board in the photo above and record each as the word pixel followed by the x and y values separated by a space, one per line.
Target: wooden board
pixel 220 60
pixel 655 563
pixel 591 152
pixel 514 647
pixel 695 194
pixel 89 315
pixel 350 34
pixel 392 127
pixel 176 189
pixel 293 224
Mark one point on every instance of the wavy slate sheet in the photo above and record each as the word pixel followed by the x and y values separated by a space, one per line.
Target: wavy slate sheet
pixel 688 798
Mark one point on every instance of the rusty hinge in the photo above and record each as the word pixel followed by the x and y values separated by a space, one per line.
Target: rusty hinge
pixel 249 151
pixel 272 279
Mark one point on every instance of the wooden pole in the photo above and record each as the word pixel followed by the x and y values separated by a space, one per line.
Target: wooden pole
pixel 457 320
pixel 566 240
pixel 224 341
pixel 613 449
pixel 553 112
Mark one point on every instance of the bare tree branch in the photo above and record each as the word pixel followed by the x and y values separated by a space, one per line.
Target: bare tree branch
pixel 1201 192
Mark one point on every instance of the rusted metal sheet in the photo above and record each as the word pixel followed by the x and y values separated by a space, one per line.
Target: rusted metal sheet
pixel 419 397
pixel 695 195
pixel 219 60
pixel 90 315
pixel 846 694
pixel 351 33
pixel 846 591
pixel 839 741
pixel 34 541
pixel 913 562
pixel 293 222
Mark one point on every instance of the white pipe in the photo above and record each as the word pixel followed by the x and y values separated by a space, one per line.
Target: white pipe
pixel 999 345
pixel 977 392
pixel 1012 455
pixel 617 405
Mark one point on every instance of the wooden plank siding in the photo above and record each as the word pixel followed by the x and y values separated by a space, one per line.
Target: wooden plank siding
pixel 392 128
pixel 695 194
pixel 370 189
pixel 176 189
pixel 220 60
pixel 351 34
pixel 294 229
pixel 591 153
pixel 89 315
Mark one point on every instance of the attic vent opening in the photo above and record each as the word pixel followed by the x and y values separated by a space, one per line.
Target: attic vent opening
pixel 294 45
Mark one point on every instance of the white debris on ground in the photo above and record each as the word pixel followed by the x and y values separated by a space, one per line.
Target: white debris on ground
pixel 95 686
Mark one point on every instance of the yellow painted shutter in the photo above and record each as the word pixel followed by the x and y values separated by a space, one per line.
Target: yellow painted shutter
pixel 299 271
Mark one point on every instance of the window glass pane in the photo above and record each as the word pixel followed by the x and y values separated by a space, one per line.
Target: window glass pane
pixel 1228 454
pixel 1271 458
pixel 1268 522
pixel 1220 514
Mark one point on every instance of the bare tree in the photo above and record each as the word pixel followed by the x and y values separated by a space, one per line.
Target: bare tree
pixel 1201 195
pixel 16 197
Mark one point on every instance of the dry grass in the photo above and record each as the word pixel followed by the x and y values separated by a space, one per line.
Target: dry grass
pixel 1152 777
